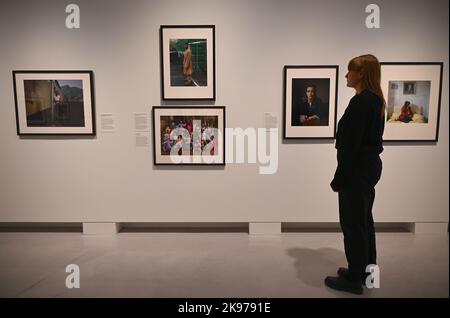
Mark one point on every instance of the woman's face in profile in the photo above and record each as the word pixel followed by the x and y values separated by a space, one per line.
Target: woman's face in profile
pixel 353 78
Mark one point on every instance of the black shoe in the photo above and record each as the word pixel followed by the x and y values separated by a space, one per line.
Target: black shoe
pixel 343 284
pixel 343 272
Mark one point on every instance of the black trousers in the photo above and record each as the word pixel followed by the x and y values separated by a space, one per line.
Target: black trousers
pixel 355 216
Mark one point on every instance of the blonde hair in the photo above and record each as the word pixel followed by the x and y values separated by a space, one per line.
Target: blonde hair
pixel 370 68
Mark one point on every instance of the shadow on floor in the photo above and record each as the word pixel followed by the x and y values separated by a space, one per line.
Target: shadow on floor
pixel 313 265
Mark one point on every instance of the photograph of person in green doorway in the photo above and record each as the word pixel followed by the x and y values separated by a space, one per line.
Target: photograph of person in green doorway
pixel 188 62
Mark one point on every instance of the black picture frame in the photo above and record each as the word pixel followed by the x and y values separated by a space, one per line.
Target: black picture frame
pixel 432 118
pixel 171 111
pixel 56 127
pixel 330 132
pixel 198 92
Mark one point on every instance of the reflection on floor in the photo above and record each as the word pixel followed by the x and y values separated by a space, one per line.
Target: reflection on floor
pixel 213 265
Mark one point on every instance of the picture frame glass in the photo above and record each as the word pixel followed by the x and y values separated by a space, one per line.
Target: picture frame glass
pixel 54 102
pixel 188 62
pixel 412 93
pixel 310 102
pixel 187 135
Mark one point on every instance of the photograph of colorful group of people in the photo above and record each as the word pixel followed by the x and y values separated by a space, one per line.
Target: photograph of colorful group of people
pixel 198 134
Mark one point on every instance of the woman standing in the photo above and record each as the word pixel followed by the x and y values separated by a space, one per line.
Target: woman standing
pixel 187 64
pixel 359 143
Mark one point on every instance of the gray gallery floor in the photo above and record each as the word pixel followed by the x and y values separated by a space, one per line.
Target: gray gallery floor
pixel 213 265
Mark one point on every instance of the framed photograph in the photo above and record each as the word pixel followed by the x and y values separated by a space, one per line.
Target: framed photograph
pixel 189 135
pixel 310 101
pixel 54 102
pixel 188 62
pixel 413 100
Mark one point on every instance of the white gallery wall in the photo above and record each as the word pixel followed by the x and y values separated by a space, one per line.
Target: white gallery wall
pixel 109 179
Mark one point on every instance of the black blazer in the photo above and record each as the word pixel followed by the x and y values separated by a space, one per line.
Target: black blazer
pixel 359 135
